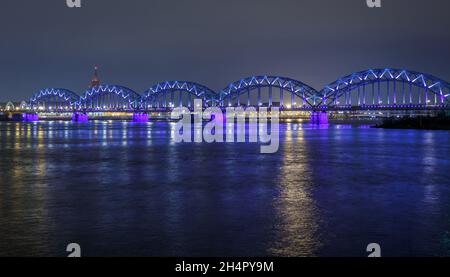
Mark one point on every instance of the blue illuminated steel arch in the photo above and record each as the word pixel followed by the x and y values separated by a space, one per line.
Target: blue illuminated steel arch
pixel 296 88
pixel 150 96
pixel 57 96
pixel 357 82
pixel 109 97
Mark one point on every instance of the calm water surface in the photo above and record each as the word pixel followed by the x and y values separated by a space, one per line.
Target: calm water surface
pixel 120 188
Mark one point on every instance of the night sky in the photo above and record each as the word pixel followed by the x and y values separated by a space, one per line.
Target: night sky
pixel 137 43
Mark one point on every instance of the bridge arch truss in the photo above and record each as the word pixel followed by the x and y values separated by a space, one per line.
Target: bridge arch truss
pixel 386 89
pixel 269 91
pixel 109 98
pixel 54 99
pixel 171 94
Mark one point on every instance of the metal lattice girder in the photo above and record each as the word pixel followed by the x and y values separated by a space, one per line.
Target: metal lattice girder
pixel 299 89
pixel 200 91
pixel 66 95
pixel 127 94
pixel 313 98
pixel 351 82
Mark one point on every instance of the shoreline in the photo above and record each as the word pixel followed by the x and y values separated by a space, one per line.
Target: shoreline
pixel 439 123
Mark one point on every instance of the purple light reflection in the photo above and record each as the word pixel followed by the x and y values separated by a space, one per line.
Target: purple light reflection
pixel 80 117
pixel 140 117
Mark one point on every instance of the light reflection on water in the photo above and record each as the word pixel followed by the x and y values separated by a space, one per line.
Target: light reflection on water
pixel 296 212
pixel 122 188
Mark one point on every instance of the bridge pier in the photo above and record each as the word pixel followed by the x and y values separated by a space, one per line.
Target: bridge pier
pixel 25 117
pixel 80 117
pixel 30 117
pixel 319 117
pixel 140 117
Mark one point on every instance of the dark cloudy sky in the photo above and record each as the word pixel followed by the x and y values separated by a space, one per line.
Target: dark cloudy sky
pixel 137 43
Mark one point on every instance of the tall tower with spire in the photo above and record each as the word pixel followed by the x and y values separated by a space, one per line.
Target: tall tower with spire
pixel 95 80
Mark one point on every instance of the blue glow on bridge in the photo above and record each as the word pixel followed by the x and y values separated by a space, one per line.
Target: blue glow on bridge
pixel 244 86
pixel 156 96
pixel 55 98
pixel 386 88
pixel 373 89
pixel 109 97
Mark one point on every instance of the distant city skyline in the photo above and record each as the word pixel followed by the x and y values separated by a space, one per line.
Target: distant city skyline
pixel 140 43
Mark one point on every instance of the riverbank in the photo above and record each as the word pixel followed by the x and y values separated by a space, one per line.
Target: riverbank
pixel 421 123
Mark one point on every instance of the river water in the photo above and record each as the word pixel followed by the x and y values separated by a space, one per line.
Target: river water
pixel 125 189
